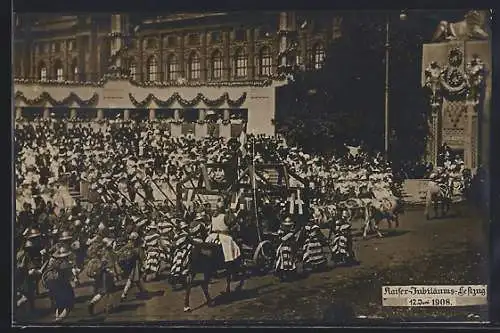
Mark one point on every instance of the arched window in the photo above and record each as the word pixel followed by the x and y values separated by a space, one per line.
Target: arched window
pixel 318 56
pixel 241 63
pixel 194 66
pixel 58 69
pixel 152 69
pixel 133 70
pixel 265 60
pixel 42 70
pixel 172 68
pixel 216 65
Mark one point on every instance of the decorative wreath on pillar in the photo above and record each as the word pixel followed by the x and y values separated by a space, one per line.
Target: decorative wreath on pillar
pixel 453 83
pixel 224 98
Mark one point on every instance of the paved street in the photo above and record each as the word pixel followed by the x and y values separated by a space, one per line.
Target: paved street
pixel 442 251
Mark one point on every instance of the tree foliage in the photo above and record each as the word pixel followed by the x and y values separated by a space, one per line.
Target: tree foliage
pixel 345 99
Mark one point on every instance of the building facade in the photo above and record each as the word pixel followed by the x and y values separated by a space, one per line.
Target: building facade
pixel 187 67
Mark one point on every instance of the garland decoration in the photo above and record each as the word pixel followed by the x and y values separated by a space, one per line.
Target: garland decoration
pixel 454 83
pixel 45 97
pixel 189 103
pixel 268 81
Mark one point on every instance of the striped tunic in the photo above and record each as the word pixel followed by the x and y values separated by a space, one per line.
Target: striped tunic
pixel 314 255
pixel 153 252
pixel 181 257
pixel 285 261
pixel 342 241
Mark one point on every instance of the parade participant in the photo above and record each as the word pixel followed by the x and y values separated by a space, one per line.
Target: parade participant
pixel 285 265
pixel 29 265
pixel 38 252
pixel 153 252
pixel 219 234
pixel 134 273
pixel 342 243
pixel 102 269
pixel 182 248
pixel 314 257
pixel 26 218
pixel 57 277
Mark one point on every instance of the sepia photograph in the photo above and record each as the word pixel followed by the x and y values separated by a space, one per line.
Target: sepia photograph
pixel 328 167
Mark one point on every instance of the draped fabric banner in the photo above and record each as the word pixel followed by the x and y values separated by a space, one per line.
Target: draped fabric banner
pixel 176 97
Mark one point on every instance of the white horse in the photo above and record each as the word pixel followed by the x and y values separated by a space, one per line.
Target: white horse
pixel 437 193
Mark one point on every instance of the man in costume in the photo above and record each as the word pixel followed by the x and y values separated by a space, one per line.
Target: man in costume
pixel 57 279
pixel 219 234
pixel 134 274
pixel 102 268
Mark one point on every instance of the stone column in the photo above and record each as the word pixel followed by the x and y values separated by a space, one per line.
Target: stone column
pixel 251 54
pixel 177 115
pixel 226 114
pixel 435 135
pixel 152 114
pixel 19 113
pixel 226 72
pixel 100 114
pixel 126 115
pixel 204 68
pixel 46 113
pixel 72 114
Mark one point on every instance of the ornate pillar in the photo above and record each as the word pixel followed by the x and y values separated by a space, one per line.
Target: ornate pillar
pixel 182 69
pixel 152 114
pixel 226 56
pixel 72 114
pixel 435 134
pixel 46 113
pixel 100 114
pixel 204 68
pixel 19 113
pixel 126 115
pixel 251 54
pixel 471 145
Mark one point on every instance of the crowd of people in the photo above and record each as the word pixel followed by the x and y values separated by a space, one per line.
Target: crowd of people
pixel 129 223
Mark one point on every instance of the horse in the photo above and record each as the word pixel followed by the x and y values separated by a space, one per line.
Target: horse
pixel 208 258
pixel 437 193
pixel 380 209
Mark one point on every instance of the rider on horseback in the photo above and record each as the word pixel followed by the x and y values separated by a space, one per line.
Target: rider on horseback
pixel 219 234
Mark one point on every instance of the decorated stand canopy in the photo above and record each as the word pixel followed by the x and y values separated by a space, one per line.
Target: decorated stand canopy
pixel 253 102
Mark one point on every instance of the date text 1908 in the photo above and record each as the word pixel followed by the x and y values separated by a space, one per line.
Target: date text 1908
pixel 430 302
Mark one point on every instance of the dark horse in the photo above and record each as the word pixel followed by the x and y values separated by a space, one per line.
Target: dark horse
pixel 208 258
